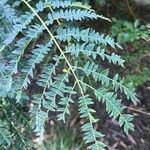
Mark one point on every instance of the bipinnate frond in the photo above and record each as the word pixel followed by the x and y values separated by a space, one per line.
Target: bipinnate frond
pixel 49 61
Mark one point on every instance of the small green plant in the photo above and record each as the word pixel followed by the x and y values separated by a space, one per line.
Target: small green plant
pixel 99 2
pixel 137 71
pixel 63 140
pixel 46 47
pixel 126 31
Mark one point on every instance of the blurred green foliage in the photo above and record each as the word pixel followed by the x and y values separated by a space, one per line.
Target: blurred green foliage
pixel 135 38
pixel 138 71
pixel 126 31
pixel 64 140
pixel 99 2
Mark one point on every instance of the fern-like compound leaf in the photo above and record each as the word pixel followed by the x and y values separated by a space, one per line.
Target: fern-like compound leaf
pixel 5 135
pixel 71 15
pixel 49 62
pixel 115 108
pixel 59 3
pixel 86 35
pixel 92 69
pixel 93 51
pixel 91 135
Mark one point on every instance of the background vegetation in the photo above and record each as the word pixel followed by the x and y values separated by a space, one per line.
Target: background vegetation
pixel 130 27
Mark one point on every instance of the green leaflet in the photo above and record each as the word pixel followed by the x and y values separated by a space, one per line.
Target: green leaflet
pixel 115 108
pixel 94 51
pixel 86 35
pixel 5 135
pixel 91 135
pixel 5 86
pixel 91 69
